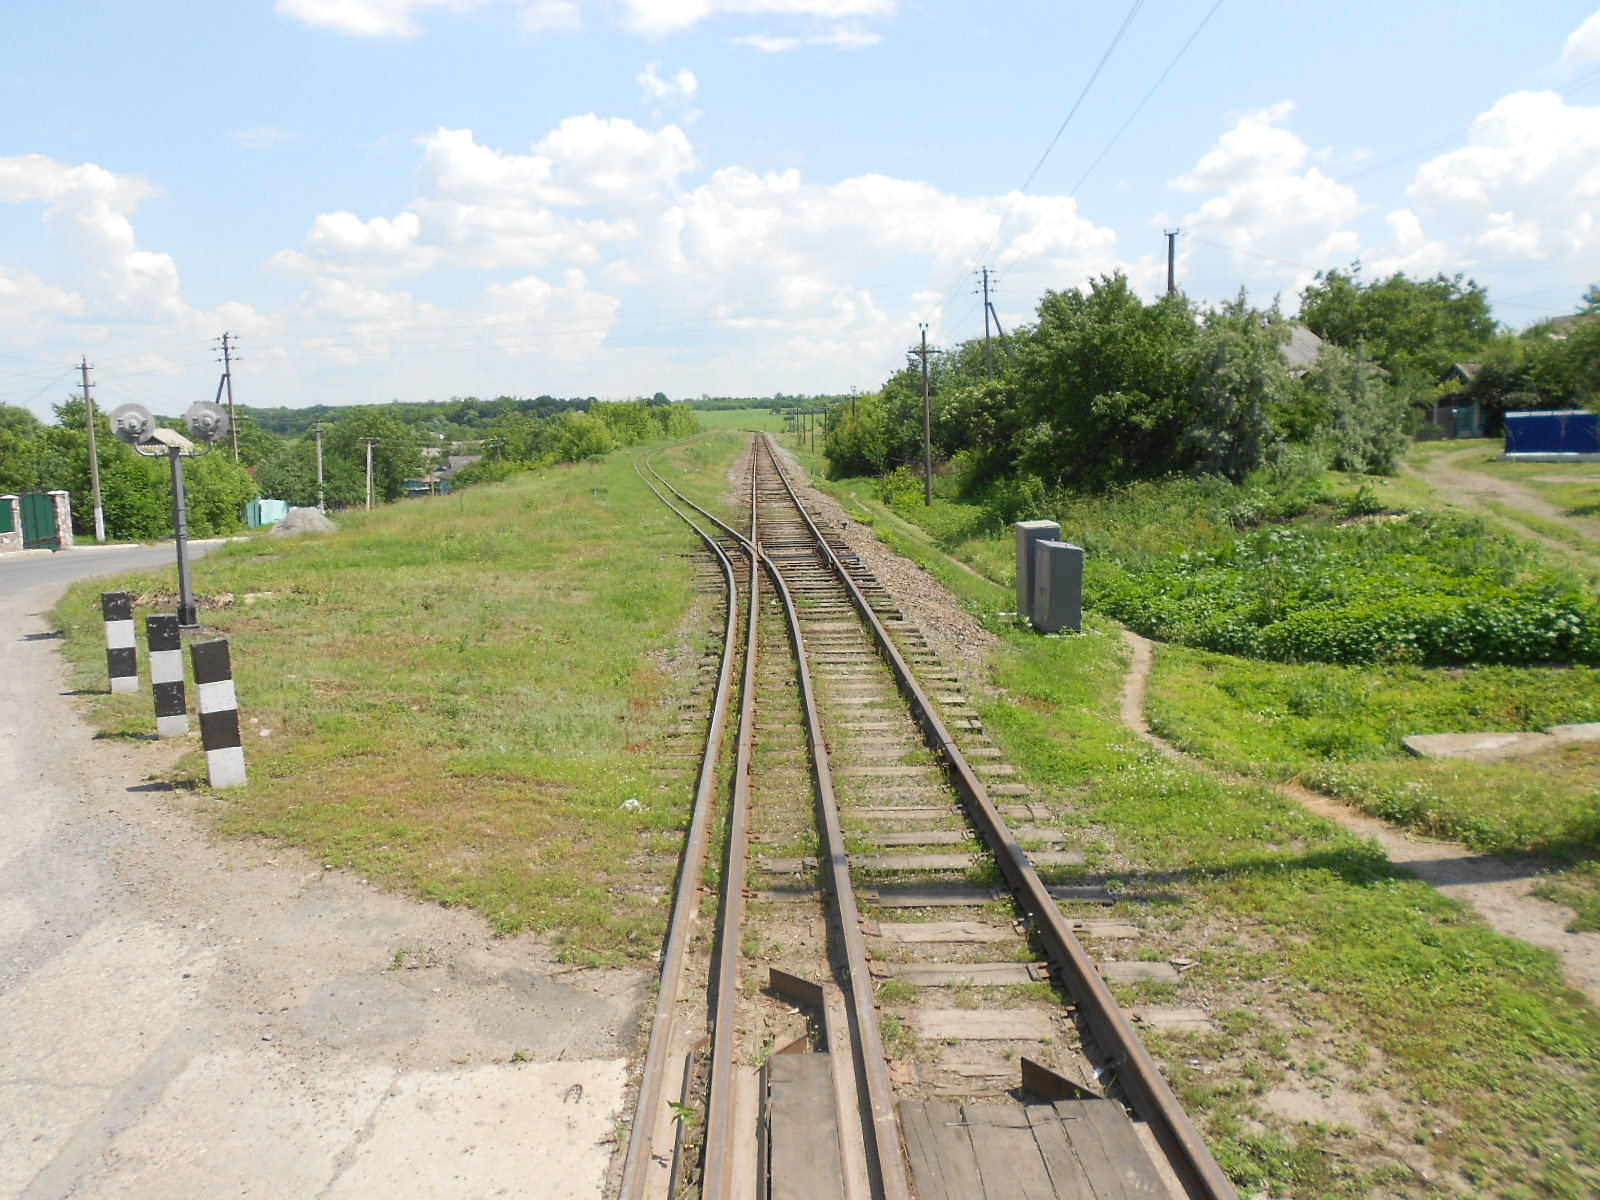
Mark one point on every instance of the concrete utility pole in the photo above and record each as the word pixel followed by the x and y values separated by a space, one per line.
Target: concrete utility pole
pixel 988 350
pixel 94 457
pixel 852 402
pixel 369 442
pixel 227 376
pixel 321 505
pixel 1172 259
pixel 927 434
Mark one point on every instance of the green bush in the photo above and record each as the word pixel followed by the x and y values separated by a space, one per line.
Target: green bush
pixel 901 489
pixel 1421 589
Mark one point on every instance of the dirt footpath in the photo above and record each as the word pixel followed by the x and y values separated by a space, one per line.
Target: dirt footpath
pixel 1473 489
pixel 183 1018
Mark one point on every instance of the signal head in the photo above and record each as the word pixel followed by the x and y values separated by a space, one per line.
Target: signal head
pixel 132 423
pixel 207 421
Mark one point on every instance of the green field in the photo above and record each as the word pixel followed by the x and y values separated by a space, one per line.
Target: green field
pixel 748 419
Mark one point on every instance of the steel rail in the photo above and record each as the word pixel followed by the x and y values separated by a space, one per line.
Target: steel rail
pixel 721 1106
pixel 884 1155
pixel 1136 1072
pixel 685 905
pixel 887 1163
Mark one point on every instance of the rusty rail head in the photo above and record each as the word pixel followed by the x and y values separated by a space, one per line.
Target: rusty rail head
pixel 1136 1072
pixel 685 904
pixel 882 1130
pixel 717 1172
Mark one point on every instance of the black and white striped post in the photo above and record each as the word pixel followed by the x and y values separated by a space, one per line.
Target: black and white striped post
pixel 219 713
pixel 122 656
pixel 166 674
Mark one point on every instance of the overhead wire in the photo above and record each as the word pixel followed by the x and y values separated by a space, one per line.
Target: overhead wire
pixel 1072 192
pixel 1005 215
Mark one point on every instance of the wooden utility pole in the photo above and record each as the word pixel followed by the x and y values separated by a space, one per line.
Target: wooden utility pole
pixel 368 440
pixel 94 458
pixel 227 377
pixel 1172 259
pixel 927 424
pixel 321 504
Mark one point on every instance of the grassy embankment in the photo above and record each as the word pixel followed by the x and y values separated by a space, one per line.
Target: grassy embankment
pixel 459 696
pixel 1404 1023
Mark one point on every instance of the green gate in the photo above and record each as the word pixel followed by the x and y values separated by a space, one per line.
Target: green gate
pixel 39 530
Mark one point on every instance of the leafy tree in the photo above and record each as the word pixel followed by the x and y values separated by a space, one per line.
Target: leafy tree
pixel 21 439
pixel 1567 369
pixel 1367 415
pixel 1413 328
pixel 1591 301
pixel 291 475
pixel 1107 377
pixel 396 454
pixel 1240 378
pixel 857 441
pixel 575 436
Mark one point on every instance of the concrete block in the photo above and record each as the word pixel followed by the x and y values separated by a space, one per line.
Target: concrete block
pixel 1057 586
pixel 1029 532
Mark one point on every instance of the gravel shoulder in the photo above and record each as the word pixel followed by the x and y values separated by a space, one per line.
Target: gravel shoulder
pixel 181 1017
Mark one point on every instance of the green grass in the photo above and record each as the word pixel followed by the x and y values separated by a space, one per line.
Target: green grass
pixel 751 419
pixel 1339 730
pixel 458 696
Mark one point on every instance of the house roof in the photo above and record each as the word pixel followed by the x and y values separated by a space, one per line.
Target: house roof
pixel 1303 348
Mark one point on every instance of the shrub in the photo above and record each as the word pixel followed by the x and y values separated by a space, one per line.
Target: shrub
pixel 1422 589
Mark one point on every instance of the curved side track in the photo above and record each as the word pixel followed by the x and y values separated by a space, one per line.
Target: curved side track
pixel 860 1040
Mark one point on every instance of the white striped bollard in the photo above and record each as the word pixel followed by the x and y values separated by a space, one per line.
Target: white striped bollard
pixel 219 712
pixel 122 656
pixel 166 674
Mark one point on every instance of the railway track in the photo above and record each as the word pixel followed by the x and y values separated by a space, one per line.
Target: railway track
pixel 898 1005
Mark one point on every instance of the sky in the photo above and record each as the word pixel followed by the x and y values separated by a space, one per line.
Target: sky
pixel 418 199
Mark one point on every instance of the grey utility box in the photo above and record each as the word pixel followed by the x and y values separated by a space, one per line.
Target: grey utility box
pixel 1057 586
pixel 1029 532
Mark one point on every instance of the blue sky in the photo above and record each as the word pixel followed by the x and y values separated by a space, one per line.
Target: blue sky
pixel 414 199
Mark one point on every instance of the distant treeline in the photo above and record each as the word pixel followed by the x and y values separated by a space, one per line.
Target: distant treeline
pixel 460 418
pixel 511 434
pixel 775 403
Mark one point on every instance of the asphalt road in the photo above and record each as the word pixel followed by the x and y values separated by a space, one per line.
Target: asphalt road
pixel 21 572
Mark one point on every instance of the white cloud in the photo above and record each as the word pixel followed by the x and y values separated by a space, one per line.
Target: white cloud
pixel 1583 44
pixel 1253 148
pixel 534 317
pixel 369 18
pixel 679 89
pixel 848 36
pixel 1281 219
pixel 550 16
pixel 652 19
pixel 1410 250
pixel 91 237
pixel 263 137
pixel 584 160
pixel 1526 186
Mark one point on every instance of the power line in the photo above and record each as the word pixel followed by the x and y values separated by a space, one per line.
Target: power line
pixel 1005 216
pixel 1115 137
